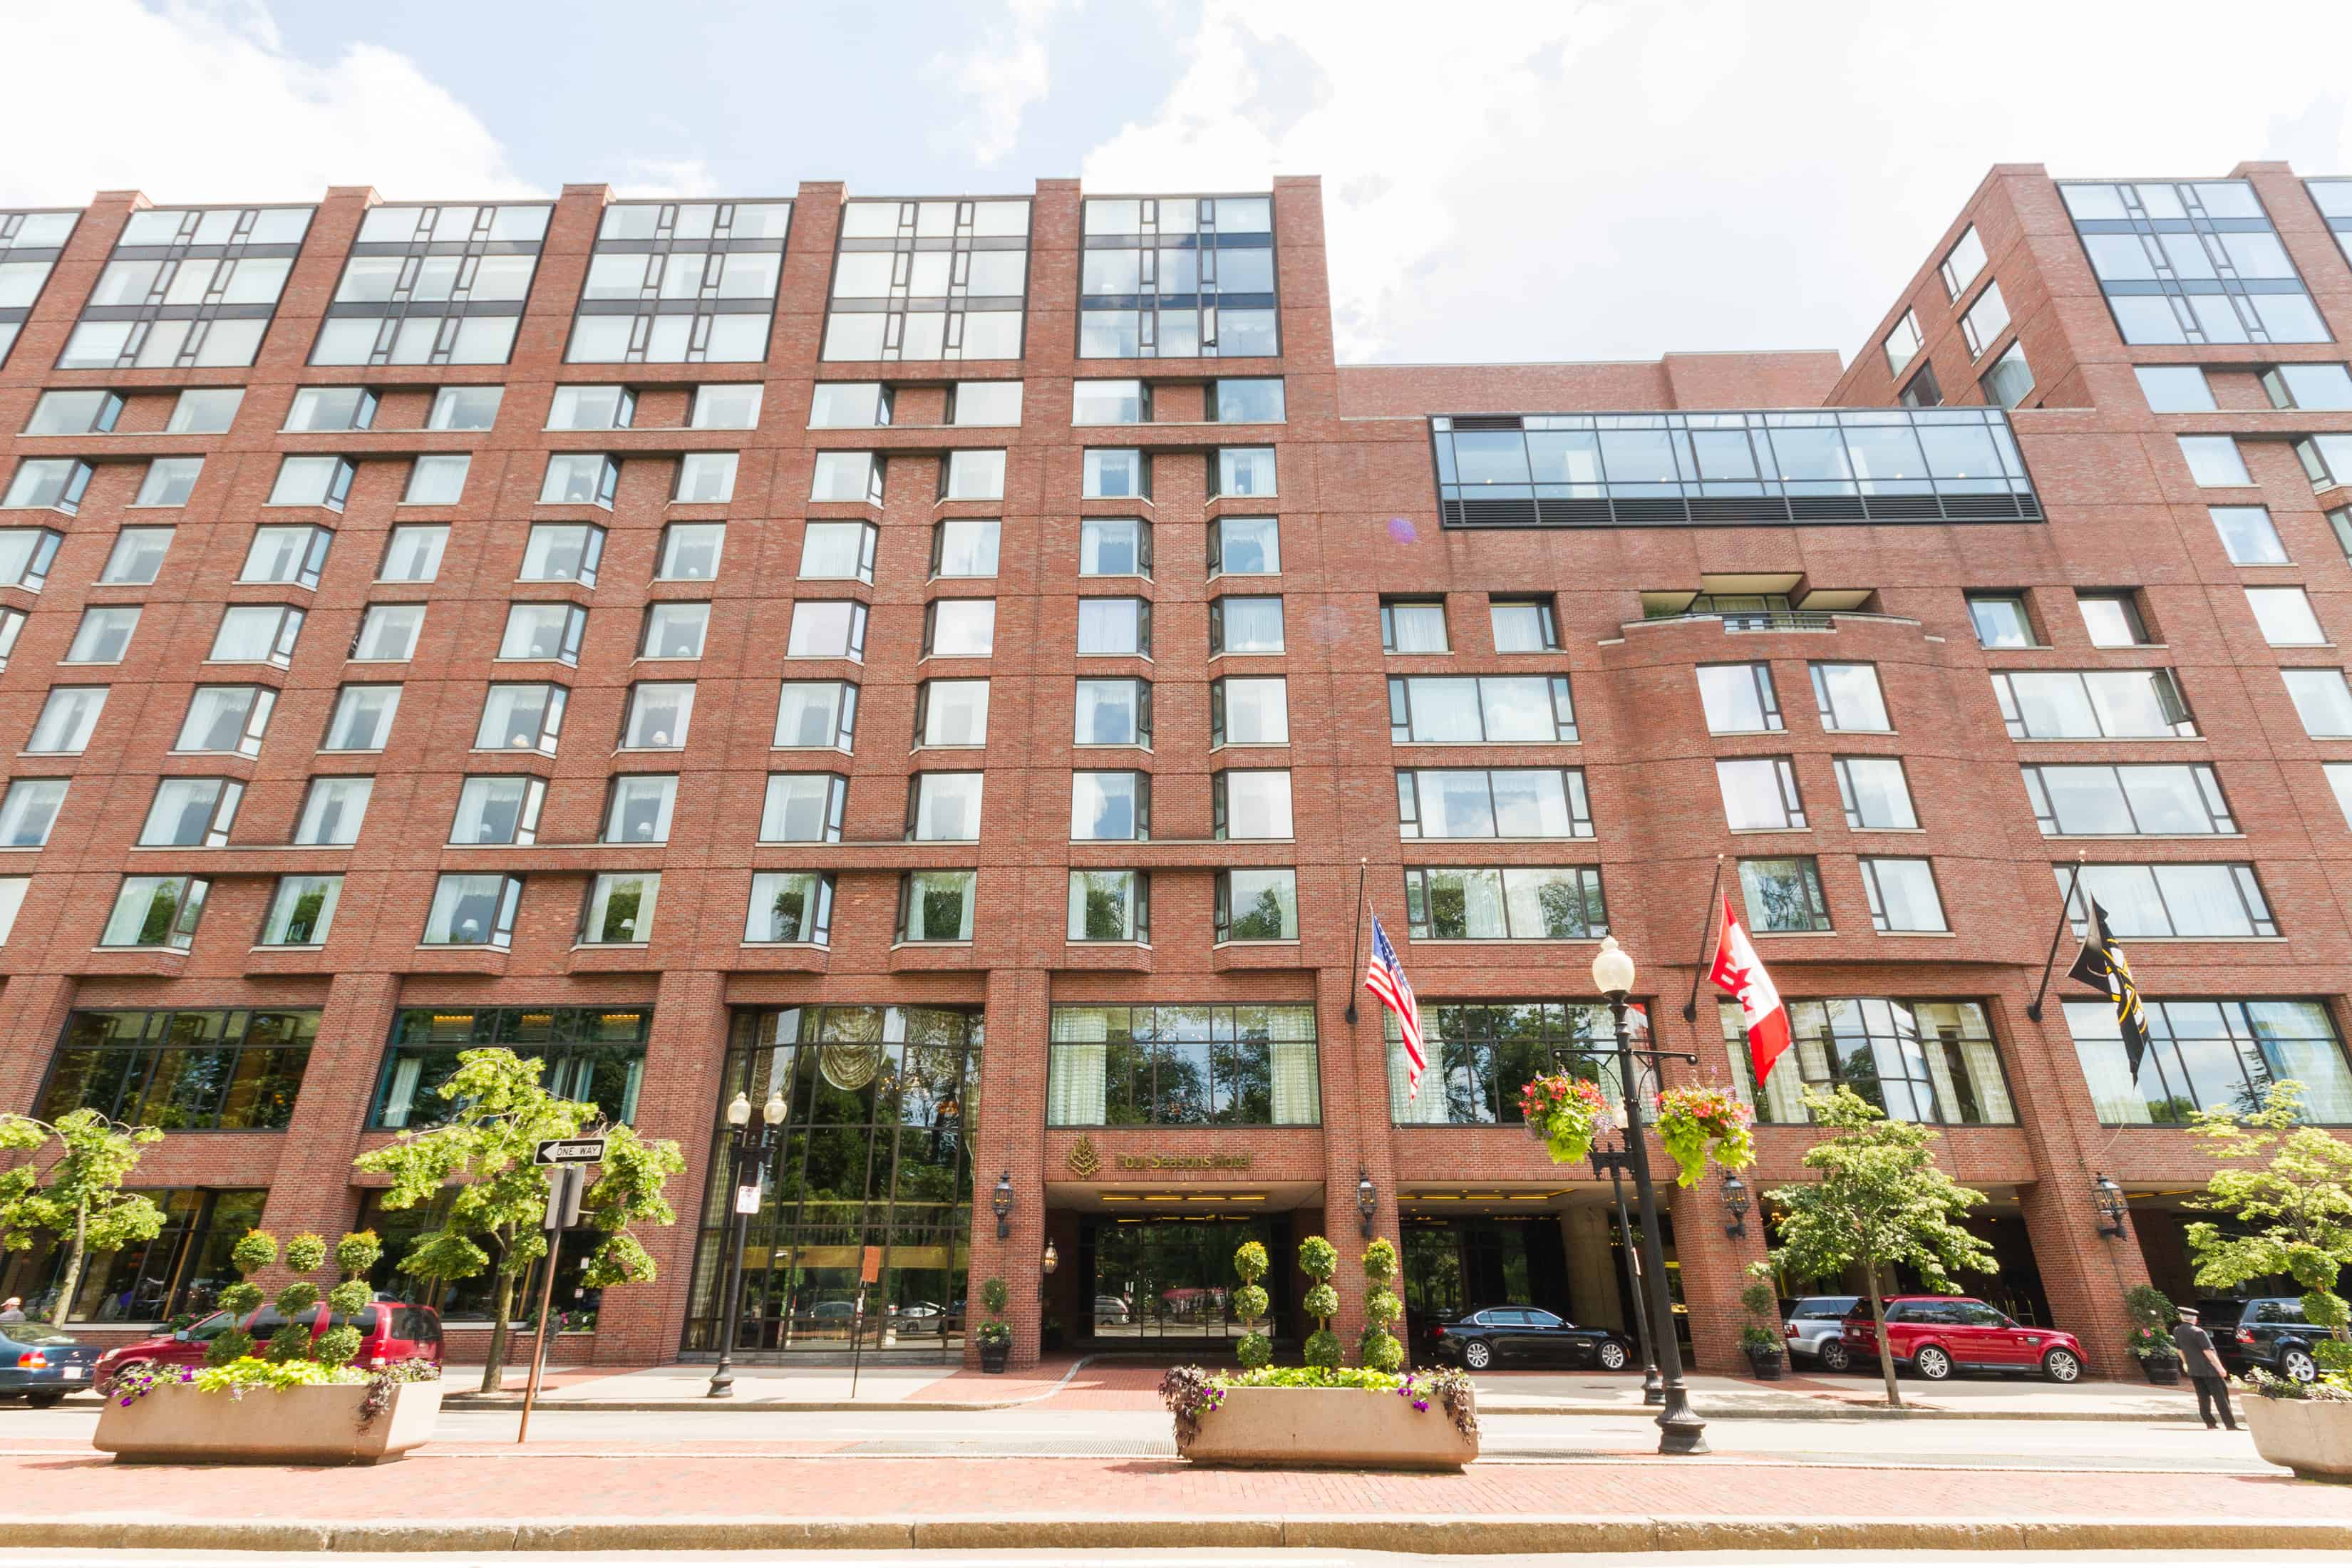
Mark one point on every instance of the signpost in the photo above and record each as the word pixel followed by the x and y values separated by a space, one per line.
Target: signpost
pixel 566 1183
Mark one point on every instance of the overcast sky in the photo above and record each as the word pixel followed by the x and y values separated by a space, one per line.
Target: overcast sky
pixel 1502 181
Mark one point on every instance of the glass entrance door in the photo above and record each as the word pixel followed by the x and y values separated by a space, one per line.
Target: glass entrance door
pixel 1162 1279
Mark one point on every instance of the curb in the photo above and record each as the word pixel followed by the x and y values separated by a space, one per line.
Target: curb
pixel 510 1402
pixel 513 1401
pixel 1457 1535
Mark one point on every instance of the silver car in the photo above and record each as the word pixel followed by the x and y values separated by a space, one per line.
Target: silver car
pixel 1814 1330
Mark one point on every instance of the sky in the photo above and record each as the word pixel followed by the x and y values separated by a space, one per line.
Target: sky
pixel 1502 181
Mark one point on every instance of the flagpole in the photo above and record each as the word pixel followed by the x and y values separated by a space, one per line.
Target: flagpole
pixel 1356 952
pixel 1706 928
pixel 2065 913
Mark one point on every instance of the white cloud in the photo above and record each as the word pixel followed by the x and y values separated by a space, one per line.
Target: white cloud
pixel 673 179
pixel 1594 181
pixel 999 79
pixel 202 104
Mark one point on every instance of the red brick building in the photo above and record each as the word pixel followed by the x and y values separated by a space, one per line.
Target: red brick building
pixel 947 663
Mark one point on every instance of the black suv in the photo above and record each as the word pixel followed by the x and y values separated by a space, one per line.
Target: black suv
pixel 2268 1331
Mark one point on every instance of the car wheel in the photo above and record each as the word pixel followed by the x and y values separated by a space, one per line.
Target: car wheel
pixel 1833 1356
pixel 1477 1355
pixel 112 1377
pixel 2298 1366
pixel 1613 1355
pixel 1932 1362
pixel 2062 1366
pixel 44 1400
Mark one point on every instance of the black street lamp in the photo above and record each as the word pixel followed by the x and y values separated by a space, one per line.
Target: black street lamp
pixel 2113 1210
pixel 1612 1162
pixel 1736 1203
pixel 1368 1203
pixel 1680 1430
pixel 748 1149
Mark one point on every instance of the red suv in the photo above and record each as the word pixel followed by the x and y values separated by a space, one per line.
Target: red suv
pixel 1936 1336
pixel 389 1332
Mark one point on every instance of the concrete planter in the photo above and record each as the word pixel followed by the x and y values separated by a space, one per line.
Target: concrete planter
pixel 2312 1437
pixel 1351 1427
pixel 318 1425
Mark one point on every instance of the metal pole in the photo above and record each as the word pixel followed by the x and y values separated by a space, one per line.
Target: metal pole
pixel 2065 914
pixel 857 1338
pixel 1653 1392
pixel 1707 930
pixel 1680 1430
pixel 563 1174
pixel 722 1376
pixel 1356 952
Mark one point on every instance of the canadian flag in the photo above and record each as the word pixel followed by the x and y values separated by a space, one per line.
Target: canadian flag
pixel 1741 976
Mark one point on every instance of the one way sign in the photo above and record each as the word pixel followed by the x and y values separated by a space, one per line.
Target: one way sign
pixel 569 1152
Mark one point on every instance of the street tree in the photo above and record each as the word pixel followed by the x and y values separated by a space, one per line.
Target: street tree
pixel 2293 1212
pixel 488 1200
pixel 77 1199
pixel 1878 1198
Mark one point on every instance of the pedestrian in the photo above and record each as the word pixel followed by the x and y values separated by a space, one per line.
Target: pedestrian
pixel 2203 1365
pixel 12 1310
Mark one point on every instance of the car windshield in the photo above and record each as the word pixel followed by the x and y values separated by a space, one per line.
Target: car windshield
pixel 1828 1307
pixel 36 1334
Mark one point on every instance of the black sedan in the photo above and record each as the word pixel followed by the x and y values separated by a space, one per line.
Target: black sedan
pixel 43 1364
pixel 1517 1336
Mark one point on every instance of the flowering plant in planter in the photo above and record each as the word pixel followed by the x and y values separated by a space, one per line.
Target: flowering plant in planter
pixel 1705 1122
pixel 1570 1112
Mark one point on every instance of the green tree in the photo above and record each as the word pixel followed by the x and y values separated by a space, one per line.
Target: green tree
pixel 1378 1348
pixel 1250 1303
pixel 475 1173
pixel 1879 1198
pixel 2295 1210
pixel 77 1199
pixel 1317 1259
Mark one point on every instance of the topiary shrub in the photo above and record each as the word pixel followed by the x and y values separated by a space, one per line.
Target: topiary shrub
pixel 354 1256
pixel 1250 1303
pixel 254 1251
pixel 1317 1259
pixel 1379 1348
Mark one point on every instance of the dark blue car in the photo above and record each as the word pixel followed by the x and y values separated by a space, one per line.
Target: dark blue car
pixel 43 1364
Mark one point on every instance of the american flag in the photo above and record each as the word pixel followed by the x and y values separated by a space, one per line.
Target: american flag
pixel 1385 979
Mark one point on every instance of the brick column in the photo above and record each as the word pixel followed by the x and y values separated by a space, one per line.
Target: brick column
pixel 313 1188
pixel 1009 1136
pixel 1714 1268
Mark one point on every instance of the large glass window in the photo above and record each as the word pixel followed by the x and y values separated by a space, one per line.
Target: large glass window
pixel 818 713
pixel 156 911
pixel 681 283
pixel 1190 1065
pixel 961 547
pixel 29 810
pixel 1874 793
pixel 1784 894
pixel 1413 625
pixel 1849 698
pixel 1244 547
pixel 433 285
pixel 1902 894
pixel 501 810
pixel 638 808
pixel 929 280
pixel 2248 535
pixel 936 906
pixel 620 908
pixel 839 550
pixel 2092 704
pixel 1110 805
pixel 1249 711
pixel 1917 1061
pixel 595 1054
pixel 412 554
pixel 2285 616
pixel 333 810
pixel 302 912
pixel 944 807
pixel 1493 803
pixel 2180 900
pixel 473 912
pixel 1250 803
pixel 1482 1053
pixel 1178 278
pixel 185 287
pixel 1110 906
pixel 521 718
pixel 179 1272
pixel 1115 713
pixel 1453 710
pixel 960 628
pixel 226 719
pixel 30 244
pixel 2191 262
pixel 951 713
pixel 828 628
pixel 187 813
pixel 803 808
pixel 183 1071
pixel 790 907
pixel 1510 903
pixel 1115 627
pixel 1739 699
pixel 2090 799
pixel 1258 904
pixel 2210 1055
pixel 1760 793
pixel 2323 700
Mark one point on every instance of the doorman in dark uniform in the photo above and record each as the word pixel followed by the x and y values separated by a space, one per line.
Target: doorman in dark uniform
pixel 2202 1363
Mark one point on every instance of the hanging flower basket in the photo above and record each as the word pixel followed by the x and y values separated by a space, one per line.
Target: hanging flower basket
pixel 1699 1124
pixel 1566 1112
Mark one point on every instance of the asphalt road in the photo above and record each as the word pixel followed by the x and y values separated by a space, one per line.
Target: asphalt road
pixel 1142 1559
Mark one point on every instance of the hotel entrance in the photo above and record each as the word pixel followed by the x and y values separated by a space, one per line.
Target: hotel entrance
pixel 1152 1282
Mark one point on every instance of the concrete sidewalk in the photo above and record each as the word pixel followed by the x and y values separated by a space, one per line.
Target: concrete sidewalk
pixel 1065 1383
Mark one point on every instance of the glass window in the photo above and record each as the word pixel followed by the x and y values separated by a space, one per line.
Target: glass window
pixel 1244 547
pixel 1466 710
pixel 302 912
pixel 226 719
pixel 437 480
pixel 28 553
pixel 790 907
pixel 2113 620
pixel 847 477
pixel 580 479
pixel 1523 625
pixel 30 810
pixel 704 476
pixel 1115 474
pixel 363 718
pixel 2210 1055
pixel 521 718
pixel 592 408
pixel 1243 471
pixel 1917 1061
pixel 68 716
pixel 2217 900
pixel 1110 906
pixel 2009 381
pixel 1512 903
pixel 332 811
pixel 2077 705
pixel 543 632
pixel 2093 799
pixel 294 555
pixel 1784 894
pixel 55 483
pixel 1114 713
pixel 1985 321
pixel 2316 387
pixel 1109 402
pixel 1252 400
pixel 1257 905
pixel 1253 711
pixel 1874 793
pixel 2322 700
pixel 1481 1053
pixel 691 552
pixel 1962 262
pixel 312 481
pixel 963 547
pixel 1496 803
pixel 501 810
pixel 1250 804
pixel 2339 779
pixel 204 411
pixel 594 1054
pixel 389 631
pixel 2214 460
pixel 473 910
pixel 1193 1065
pixel 944 807
pixel 103 635
pixel 1902 894
pixel 1902 342
pixel 135 559
pixel 674 629
pixel 1238 625
pixel 12 901
pixel 1115 627
pixel 2001 620
pixel 413 553
pixel 192 812
pixel 725 408
pixel 958 628
pixel 321 408
pixel 182 1072
pixel 984 402
pixel 849 405
pixel 951 713
pixel 2175 388
pixel 817 713
pixel 659 714
pixel 1760 793
pixel 2285 616
pixel 1413 625
pixel 169 481
pixel 1106 805
pixel 156 911
pixel 828 628
pixel 465 408
pixel 803 808
pixel 563 552
pixel 936 906
pixel 1848 697
pixel 620 908
pixel 2327 460
pixel 87 413
pixel 257 634
pixel 2248 536
pixel 1739 699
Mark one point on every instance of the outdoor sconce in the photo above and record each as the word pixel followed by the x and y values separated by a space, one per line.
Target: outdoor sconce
pixel 1367 1200
pixel 1736 1204
pixel 1053 1259
pixel 1005 1205
pixel 2109 1200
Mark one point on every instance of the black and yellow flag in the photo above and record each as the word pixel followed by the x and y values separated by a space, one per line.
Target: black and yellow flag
pixel 2102 965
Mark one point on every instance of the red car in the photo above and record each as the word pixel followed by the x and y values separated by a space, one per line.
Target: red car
pixel 389 1332
pixel 1936 1336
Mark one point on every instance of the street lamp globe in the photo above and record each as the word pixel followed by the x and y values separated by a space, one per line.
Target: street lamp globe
pixel 738 1111
pixel 772 1113
pixel 1612 969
